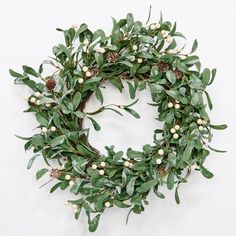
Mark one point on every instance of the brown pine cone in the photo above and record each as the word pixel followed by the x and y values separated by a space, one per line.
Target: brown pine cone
pixel 94 71
pixel 51 84
pixel 112 57
pixel 178 74
pixel 55 173
pixel 163 66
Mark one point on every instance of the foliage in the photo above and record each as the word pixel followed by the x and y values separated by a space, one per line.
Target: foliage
pixel 144 57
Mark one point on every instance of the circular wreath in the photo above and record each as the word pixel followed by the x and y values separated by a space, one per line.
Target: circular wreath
pixel 144 57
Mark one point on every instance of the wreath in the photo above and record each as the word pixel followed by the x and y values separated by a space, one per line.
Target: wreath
pixel 144 57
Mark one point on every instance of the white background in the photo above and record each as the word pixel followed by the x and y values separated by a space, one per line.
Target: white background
pixel 27 34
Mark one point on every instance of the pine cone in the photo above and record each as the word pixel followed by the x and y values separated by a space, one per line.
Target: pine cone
pixel 51 84
pixel 178 74
pixel 94 71
pixel 112 57
pixel 163 66
pixel 162 170
pixel 55 173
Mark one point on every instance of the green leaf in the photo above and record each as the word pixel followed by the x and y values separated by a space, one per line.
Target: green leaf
pixel 187 152
pixel 213 75
pixel 145 187
pixel 42 121
pixel 206 74
pixel 15 74
pixel 92 80
pixel 171 180
pixel 117 83
pixel 219 127
pixel 75 188
pixel 112 109
pixel 144 69
pixel 76 100
pixel 130 186
pixel 131 104
pixel 99 95
pixel 31 160
pixel 40 173
pixel 37 140
pixel 196 99
pixel 57 141
pixel 81 29
pixel 99 58
pixel 195 46
pixel 216 150
pixel 132 112
pixel 159 194
pixel 30 71
pixel 96 126
pixel 130 21
pixel 94 223
pixel 206 173
pixel 177 195
pixel 191 60
pixel 131 90
pixel 66 51
pixel 146 39
pixel 209 100
pixel 56 186
pixel 173 93
pixel 171 76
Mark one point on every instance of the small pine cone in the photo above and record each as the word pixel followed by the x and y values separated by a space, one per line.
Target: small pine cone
pixel 112 57
pixel 51 84
pixel 94 71
pixel 163 66
pixel 178 74
pixel 55 173
pixel 162 170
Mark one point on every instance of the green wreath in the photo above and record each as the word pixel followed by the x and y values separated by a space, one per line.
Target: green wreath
pixel 144 57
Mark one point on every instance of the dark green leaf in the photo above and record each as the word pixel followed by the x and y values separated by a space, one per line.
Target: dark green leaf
pixel 96 126
pixel 194 47
pixel 171 180
pixel 132 112
pixel 170 76
pixel 40 173
pixel 30 71
pixel 94 223
pixel 57 141
pixel 219 127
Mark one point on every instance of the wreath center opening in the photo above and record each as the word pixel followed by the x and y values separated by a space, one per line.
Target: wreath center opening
pixel 122 131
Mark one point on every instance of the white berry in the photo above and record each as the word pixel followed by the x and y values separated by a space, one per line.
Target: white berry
pixel 103 164
pixel 71 183
pixel 33 100
pixel 132 58
pixel 81 80
pixel 67 203
pixel 101 172
pixel 53 129
pixel 170 105
pixel 101 50
pixel 201 128
pixel 94 166
pixel 152 27
pixel 48 104
pixel 67 177
pixel 175 136
pixel 203 122
pixel 131 165
pixel 163 32
pixel 171 51
pixel 168 39
pixel 135 47
pixel 37 102
pixel 177 106
pixel 126 163
pixel 173 131
pixel 75 206
pixel 140 60
pixel 178 49
pixel 85 69
pixel 199 122
pixel 177 127
pixel 177 101
pixel 76 210
pixel 37 94
pixel 75 26
pixel 158 161
pixel 86 42
pixel 161 152
pixel 157 26
pixel 44 130
pixel 88 74
pixel 107 204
